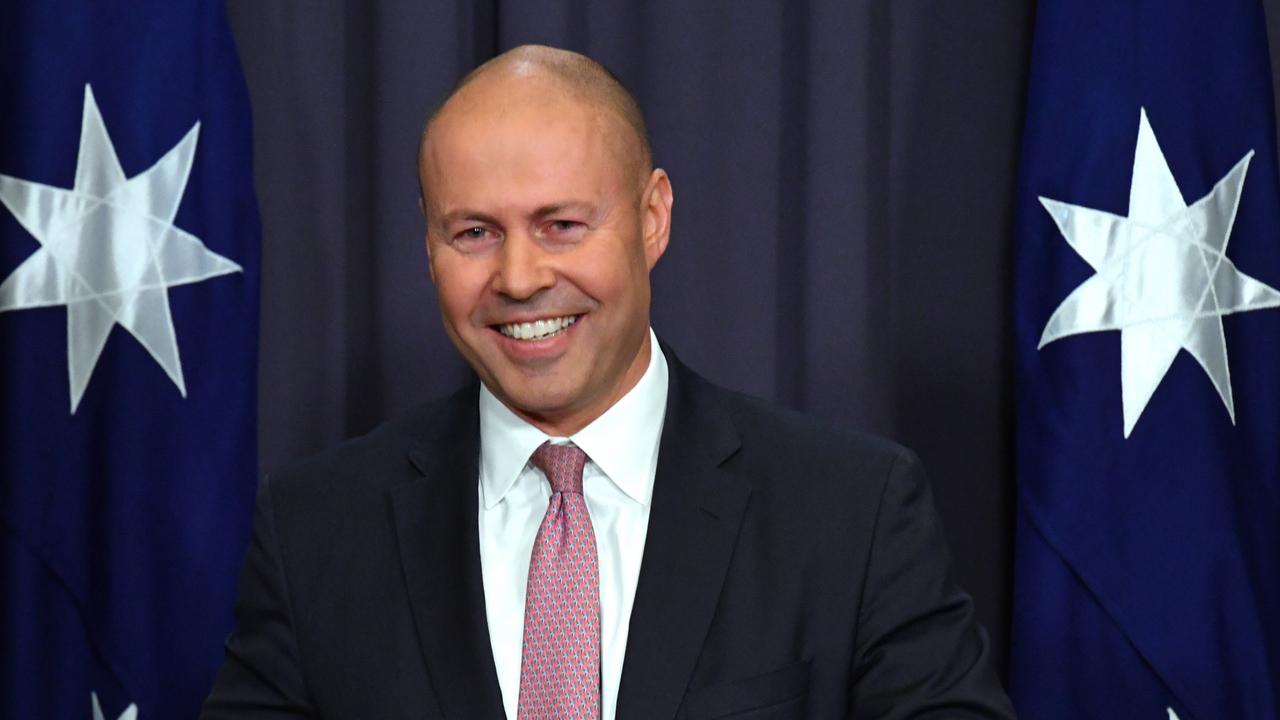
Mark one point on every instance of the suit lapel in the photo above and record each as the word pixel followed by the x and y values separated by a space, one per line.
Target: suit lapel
pixel 693 527
pixel 436 526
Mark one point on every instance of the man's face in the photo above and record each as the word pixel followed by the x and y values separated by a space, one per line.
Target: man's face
pixel 541 239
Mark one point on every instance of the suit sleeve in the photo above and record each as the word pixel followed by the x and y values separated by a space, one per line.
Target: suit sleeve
pixel 261 676
pixel 919 651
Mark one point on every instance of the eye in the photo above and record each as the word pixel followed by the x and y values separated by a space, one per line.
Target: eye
pixel 474 238
pixel 561 230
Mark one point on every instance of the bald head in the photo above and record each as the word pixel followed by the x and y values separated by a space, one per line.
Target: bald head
pixel 541 207
pixel 561 75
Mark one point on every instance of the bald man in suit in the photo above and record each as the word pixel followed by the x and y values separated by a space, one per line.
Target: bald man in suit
pixel 744 561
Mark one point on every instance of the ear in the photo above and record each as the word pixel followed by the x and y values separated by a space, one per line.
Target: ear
pixel 655 207
pixel 426 239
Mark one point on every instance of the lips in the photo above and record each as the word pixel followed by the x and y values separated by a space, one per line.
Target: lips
pixel 541 329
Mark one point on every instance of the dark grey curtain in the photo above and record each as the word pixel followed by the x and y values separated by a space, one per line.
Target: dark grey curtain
pixel 843 174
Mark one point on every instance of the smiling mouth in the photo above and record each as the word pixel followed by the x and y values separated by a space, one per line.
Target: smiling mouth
pixel 537 329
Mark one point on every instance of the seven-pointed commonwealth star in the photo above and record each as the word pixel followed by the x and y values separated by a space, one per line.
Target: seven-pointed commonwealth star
pixel 110 250
pixel 1162 278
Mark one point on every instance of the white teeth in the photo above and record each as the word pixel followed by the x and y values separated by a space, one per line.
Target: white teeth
pixel 538 329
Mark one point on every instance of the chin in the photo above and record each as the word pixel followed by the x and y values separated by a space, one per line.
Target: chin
pixel 540 404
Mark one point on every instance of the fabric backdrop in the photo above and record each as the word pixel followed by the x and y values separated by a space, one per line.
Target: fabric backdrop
pixel 843 175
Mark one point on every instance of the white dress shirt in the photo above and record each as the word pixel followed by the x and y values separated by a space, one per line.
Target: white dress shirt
pixel 622 445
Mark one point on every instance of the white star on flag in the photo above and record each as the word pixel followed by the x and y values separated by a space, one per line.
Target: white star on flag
pixel 109 250
pixel 1162 278
pixel 130 713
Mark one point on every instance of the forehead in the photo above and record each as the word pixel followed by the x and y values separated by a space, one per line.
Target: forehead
pixel 520 142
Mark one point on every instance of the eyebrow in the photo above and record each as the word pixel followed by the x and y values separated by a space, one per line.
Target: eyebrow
pixel 557 208
pixel 465 215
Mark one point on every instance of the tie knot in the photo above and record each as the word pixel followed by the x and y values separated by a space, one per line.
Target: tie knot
pixel 562 464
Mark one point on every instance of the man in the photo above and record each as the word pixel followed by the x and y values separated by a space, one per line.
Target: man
pixel 594 531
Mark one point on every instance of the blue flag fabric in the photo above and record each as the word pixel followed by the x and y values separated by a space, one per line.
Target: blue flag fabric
pixel 1147 331
pixel 128 329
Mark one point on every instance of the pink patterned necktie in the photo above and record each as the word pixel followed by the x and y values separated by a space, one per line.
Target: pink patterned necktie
pixel 560 662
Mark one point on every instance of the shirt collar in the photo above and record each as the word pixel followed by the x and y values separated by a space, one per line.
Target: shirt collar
pixel 623 442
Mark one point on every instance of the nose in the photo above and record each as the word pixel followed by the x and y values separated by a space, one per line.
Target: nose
pixel 523 269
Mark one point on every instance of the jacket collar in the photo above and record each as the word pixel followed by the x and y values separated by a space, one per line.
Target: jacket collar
pixel 435 519
pixel 693 525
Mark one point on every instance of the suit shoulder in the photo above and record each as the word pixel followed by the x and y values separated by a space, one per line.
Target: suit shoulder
pixel 792 432
pixel 810 477
pixel 378 458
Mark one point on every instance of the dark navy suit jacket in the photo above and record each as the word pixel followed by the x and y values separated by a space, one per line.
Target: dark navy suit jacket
pixel 792 570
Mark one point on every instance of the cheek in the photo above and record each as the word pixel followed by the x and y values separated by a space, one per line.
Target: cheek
pixel 612 271
pixel 459 288
pixel 605 283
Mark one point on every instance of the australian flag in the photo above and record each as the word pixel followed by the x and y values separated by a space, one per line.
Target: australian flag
pixel 1147 331
pixel 128 329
